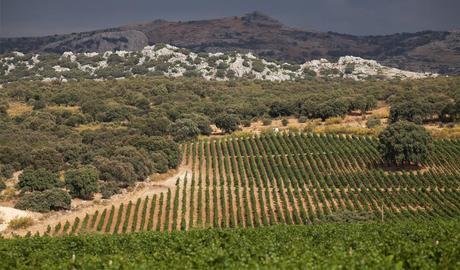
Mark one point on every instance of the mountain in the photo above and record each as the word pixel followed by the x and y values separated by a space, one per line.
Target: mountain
pixel 427 51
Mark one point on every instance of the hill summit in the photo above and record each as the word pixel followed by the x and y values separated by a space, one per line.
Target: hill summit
pixel 427 51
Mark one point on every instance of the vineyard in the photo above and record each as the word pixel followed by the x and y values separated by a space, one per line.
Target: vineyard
pixel 286 179
pixel 411 244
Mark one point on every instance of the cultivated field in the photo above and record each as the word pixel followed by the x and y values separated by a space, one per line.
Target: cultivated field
pixel 286 179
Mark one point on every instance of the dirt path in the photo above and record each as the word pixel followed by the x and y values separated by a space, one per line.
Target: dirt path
pixel 80 208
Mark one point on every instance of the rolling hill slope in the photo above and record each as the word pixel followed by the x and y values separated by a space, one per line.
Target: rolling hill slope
pixel 285 179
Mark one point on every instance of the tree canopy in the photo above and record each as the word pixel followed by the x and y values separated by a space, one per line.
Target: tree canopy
pixel 404 143
pixel 82 182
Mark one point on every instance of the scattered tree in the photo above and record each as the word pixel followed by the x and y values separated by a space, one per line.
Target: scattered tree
pixel 48 200
pixel 38 180
pixel 404 143
pixel 227 122
pixel 82 182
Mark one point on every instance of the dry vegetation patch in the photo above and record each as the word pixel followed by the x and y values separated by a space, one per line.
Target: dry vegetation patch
pixel 20 223
pixel 18 108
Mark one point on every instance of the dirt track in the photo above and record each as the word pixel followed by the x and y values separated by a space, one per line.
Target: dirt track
pixel 81 208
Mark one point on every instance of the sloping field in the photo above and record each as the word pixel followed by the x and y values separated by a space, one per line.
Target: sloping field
pixel 287 179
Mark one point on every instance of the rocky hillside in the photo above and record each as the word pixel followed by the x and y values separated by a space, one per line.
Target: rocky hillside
pixel 432 51
pixel 172 61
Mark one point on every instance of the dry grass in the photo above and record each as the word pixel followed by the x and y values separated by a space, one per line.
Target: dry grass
pixel 64 108
pixel 333 120
pixel 444 132
pixel 341 129
pixel 383 112
pixel 90 127
pixel 20 223
pixel 8 194
pixel 18 108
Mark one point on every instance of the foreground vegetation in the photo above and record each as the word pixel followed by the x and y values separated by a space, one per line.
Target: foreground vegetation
pixel 403 245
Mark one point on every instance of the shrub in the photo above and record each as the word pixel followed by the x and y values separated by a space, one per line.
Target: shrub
pixel 227 122
pixel 38 180
pixel 246 123
pixel 2 185
pixel 184 129
pixel 139 158
pixel 373 122
pixel 20 223
pixel 53 199
pixel 39 104
pixel 119 171
pixel 108 189
pixel 4 106
pixel 82 182
pixel 302 119
pixel 258 65
pixel 284 122
pixel 266 121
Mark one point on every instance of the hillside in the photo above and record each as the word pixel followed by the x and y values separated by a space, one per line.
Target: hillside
pixel 167 60
pixel 428 51
pixel 283 179
pixel 129 131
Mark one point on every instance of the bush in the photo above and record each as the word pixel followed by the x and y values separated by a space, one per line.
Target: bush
pixel 246 123
pixel 39 104
pixel 227 122
pixel 302 119
pixel 2 185
pixel 266 121
pixel 82 182
pixel 53 199
pixel 258 65
pixel 139 158
pixel 38 180
pixel 119 171
pixel 284 122
pixel 47 158
pixel 184 129
pixel 373 122
pixel 20 223
pixel 108 189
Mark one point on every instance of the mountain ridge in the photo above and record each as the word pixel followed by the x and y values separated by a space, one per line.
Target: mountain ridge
pixel 425 51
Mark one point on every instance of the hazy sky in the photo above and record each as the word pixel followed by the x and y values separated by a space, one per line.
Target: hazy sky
pixel 40 17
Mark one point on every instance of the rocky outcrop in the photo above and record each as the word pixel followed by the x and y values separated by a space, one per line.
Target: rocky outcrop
pixel 172 61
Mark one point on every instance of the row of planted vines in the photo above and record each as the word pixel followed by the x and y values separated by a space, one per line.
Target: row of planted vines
pixel 287 179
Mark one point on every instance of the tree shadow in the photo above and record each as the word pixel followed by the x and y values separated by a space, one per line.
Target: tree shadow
pixel 399 168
